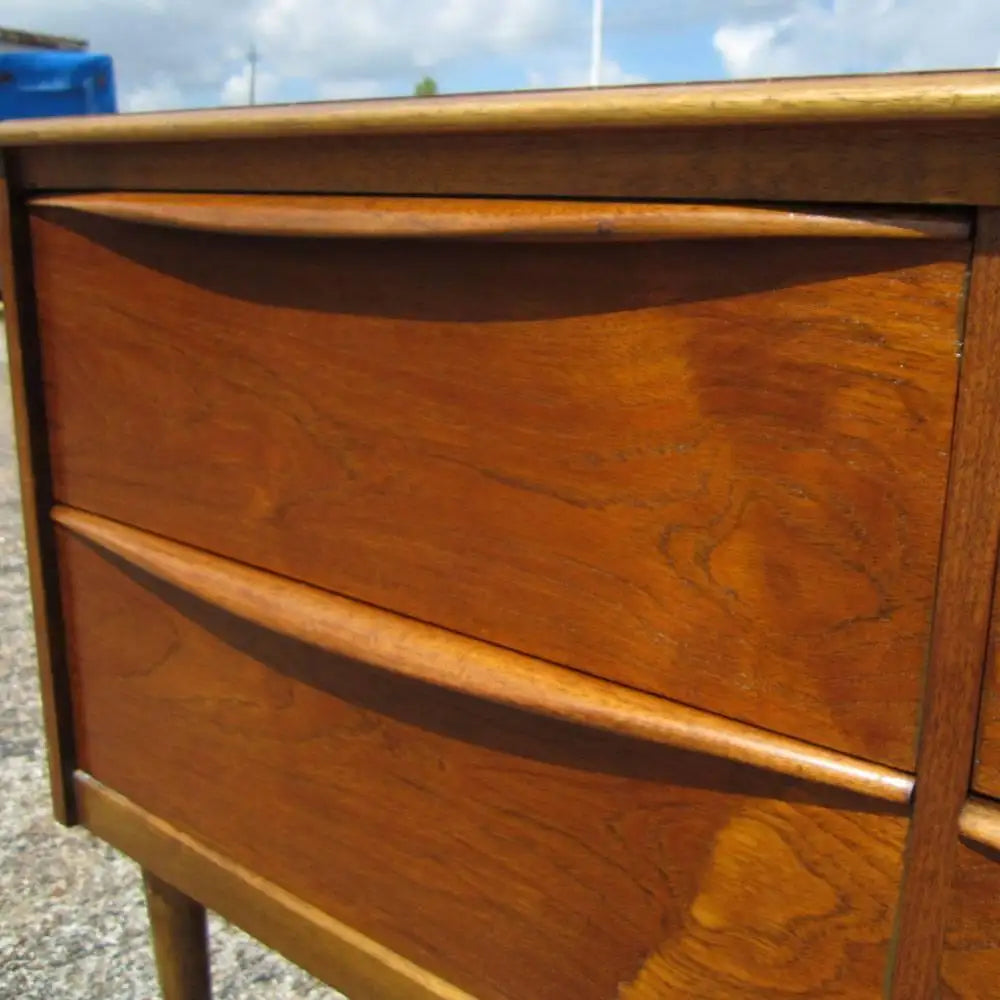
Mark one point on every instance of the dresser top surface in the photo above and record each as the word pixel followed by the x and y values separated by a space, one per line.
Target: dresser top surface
pixel 900 98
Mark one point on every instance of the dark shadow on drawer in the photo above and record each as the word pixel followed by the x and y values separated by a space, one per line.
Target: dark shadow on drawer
pixel 463 281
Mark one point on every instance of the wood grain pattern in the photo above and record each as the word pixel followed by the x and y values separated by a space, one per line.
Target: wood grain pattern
pixel 180 941
pixel 970 967
pixel 960 628
pixel 719 468
pixel 986 773
pixel 980 821
pixel 312 939
pixel 515 857
pixel 986 779
pixel 23 361
pixel 898 97
pixel 471 667
pixel 493 219
pixel 919 162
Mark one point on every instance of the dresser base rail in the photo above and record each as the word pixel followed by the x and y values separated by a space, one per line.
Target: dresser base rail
pixel 321 945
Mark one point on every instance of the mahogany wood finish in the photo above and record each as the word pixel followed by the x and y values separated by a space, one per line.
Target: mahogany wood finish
pixel 960 631
pixel 719 466
pixel 404 646
pixel 490 219
pixel 987 773
pixel 513 856
pixel 529 546
pixel 178 928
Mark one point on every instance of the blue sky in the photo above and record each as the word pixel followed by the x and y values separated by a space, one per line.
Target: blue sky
pixel 191 53
pixel 681 55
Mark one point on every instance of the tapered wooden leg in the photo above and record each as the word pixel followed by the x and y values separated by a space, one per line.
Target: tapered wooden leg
pixel 180 941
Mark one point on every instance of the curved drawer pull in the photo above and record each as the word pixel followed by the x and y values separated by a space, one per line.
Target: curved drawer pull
pixel 980 821
pixel 501 219
pixel 435 656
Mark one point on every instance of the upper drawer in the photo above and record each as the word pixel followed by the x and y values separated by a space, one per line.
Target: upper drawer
pixel 709 468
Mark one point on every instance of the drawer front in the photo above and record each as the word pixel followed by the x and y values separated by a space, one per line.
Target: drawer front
pixel 970 968
pixel 517 857
pixel 709 469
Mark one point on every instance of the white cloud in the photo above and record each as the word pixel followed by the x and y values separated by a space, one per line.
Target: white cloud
pixel 676 15
pixel 854 36
pixel 614 74
pixel 160 92
pixel 742 45
pixel 573 70
pixel 365 38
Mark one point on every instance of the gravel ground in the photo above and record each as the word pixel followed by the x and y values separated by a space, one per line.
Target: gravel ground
pixel 72 919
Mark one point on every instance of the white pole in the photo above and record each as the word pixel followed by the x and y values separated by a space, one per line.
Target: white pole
pixel 252 58
pixel 596 32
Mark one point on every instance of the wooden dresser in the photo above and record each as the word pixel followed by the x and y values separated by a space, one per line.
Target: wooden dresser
pixel 532 547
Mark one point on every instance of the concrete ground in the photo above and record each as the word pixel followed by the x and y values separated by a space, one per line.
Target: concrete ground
pixel 72 919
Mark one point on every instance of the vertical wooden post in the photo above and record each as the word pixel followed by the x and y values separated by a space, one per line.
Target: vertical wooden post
pixel 30 424
pixel 180 941
pixel 959 634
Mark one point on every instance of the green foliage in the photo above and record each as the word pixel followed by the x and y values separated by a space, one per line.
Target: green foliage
pixel 427 87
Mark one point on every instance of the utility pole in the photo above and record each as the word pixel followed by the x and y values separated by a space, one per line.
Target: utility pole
pixel 252 57
pixel 596 38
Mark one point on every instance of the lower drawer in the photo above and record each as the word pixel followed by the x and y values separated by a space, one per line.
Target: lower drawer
pixel 515 856
pixel 970 969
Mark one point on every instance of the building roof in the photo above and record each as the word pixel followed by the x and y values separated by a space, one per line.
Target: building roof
pixel 36 40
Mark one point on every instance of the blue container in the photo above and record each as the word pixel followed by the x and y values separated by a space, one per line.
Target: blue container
pixel 44 84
